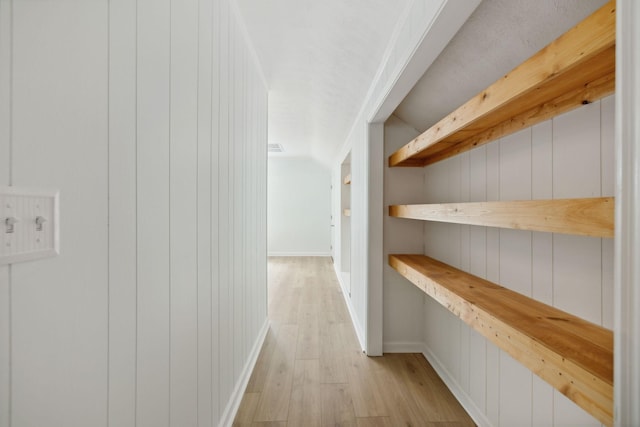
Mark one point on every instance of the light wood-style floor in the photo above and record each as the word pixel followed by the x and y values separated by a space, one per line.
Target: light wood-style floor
pixel 311 371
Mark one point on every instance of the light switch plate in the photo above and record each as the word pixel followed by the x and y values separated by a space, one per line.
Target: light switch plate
pixel 29 224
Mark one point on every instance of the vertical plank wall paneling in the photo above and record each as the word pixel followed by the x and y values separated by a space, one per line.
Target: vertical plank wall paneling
pixel 59 305
pixel 541 257
pixel 225 345
pixel 205 217
pixel 122 214
pixel 569 156
pixel 150 118
pixel 5 179
pixel 478 266
pixel 183 213
pixel 236 206
pixel 214 217
pixel 153 76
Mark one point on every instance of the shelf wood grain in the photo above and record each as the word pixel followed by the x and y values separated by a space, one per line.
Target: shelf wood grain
pixel 572 355
pixel 584 217
pixel 577 68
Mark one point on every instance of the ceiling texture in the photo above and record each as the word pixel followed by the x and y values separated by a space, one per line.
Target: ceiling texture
pixel 497 37
pixel 320 57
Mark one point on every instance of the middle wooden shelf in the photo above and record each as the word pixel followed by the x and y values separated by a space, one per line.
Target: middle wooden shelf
pixel 586 217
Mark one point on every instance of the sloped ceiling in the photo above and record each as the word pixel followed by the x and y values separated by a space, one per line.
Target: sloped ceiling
pixel 319 59
pixel 498 36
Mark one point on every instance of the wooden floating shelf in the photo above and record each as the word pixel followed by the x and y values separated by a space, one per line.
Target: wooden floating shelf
pixel 585 217
pixel 347 180
pixel 346 212
pixel 571 354
pixel 577 68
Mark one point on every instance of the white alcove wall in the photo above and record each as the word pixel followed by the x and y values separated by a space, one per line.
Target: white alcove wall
pixel 403 307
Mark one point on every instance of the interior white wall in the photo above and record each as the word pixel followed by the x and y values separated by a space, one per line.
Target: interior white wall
pixel 150 118
pixel 299 207
pixel 569 156
pixel 55 343
pixel 403 306
pixel 426 27
pixel 5 179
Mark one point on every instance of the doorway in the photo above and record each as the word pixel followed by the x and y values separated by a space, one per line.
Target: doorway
pixel 345 224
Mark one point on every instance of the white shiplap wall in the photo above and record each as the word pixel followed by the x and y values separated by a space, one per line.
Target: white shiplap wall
pixel 59 306
pixel 569 156
pixel 5 179
pixel 150 117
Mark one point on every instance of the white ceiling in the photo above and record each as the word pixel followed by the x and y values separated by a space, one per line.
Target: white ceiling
pixel 319 59
pixel 498 36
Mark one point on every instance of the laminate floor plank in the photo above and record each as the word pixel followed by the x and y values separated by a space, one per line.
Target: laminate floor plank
pixel 308 346
pixel 337 406
pixel 374 422
pixel 333 360
pixel 244 417
pixel 311 370
pixel 259 374
pixel 403 410
pixel 270 424
pixel 276 394
pixel 427 389
pixel 368 386
pixel 305 404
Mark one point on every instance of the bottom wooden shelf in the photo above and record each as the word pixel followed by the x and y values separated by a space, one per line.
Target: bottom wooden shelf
pixel 571 354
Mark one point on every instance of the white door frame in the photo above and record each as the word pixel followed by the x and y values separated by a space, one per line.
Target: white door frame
pixel 435 37
pixel 627 237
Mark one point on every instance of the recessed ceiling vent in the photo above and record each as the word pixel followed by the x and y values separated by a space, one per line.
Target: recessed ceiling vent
pixel 275 148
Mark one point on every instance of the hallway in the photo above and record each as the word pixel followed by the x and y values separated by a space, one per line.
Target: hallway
pixel 311 371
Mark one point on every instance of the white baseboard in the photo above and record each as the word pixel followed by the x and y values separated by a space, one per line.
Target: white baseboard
pixel 478 416
pixel 323 254
pixel 352 313
pixel 403 347
pixel 231 410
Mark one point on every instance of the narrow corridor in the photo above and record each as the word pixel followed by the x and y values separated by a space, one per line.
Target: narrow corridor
pixel 311 371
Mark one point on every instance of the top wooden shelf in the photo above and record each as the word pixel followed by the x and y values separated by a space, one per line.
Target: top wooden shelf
pixel 584 217
pixel 577 68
